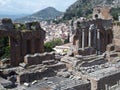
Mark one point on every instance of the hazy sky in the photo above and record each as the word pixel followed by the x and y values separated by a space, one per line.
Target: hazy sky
pixel 30 6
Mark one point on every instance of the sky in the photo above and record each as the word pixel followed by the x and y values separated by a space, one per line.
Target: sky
pixel 31 6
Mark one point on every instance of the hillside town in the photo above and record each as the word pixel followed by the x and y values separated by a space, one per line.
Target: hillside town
pixel 89 60
pixel 53 30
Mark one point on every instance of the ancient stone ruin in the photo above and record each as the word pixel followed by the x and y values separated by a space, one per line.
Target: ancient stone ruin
pixel 102 12
pixel 22 42
pixel 93 36
pixel 92 64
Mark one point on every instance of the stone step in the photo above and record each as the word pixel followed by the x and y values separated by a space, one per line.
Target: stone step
pixel 93 58
pixel 48 62
pixel 57 66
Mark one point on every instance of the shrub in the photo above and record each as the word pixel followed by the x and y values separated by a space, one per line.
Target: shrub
pixel 51 44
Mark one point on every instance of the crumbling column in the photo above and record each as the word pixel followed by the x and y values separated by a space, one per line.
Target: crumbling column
pixel 77 46
pixel 98 44
pixel 83 39
pixel 89 38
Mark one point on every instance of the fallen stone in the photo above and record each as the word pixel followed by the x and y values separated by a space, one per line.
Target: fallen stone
pixel 26 84
pixel 64 74
pixel 24 65
pixel 34 82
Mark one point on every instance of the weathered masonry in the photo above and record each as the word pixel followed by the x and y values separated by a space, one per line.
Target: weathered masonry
pixel 93 36
pixel 22 42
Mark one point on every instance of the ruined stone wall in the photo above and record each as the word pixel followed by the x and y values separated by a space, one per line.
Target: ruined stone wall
pixel 6 24
pixel 30 76
pixel 102 12
pixel 109 81
pixel 116 33
pixel 94 35
pixel 106 83
pixel 22 42
pixel 82 87
pixel 38 58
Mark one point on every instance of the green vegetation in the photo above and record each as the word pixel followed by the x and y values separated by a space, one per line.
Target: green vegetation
pixel 51 44
pixel 4 48
pixel 116 23
pixel 79 9
pixel 83 8
pixel 19 26
pixel 67 40
pixel 115 12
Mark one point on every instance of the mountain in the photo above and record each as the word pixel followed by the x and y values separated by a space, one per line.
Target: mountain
pixel 13 17
pixel 45 14
pixel 84 7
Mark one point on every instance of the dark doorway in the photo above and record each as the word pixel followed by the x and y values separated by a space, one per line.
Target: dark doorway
pixel 37 45
pixel 28 46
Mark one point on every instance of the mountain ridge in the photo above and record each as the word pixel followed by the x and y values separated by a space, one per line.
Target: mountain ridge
pixel 44 14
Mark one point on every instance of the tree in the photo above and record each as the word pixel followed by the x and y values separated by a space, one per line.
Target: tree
pixel 115 13
pixel 51 44
pixel 4 47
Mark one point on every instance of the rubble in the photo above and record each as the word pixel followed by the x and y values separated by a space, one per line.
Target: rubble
pixel 64 74
pixel 6 84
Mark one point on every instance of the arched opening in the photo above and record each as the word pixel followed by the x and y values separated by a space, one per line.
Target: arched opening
pixel 96 16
